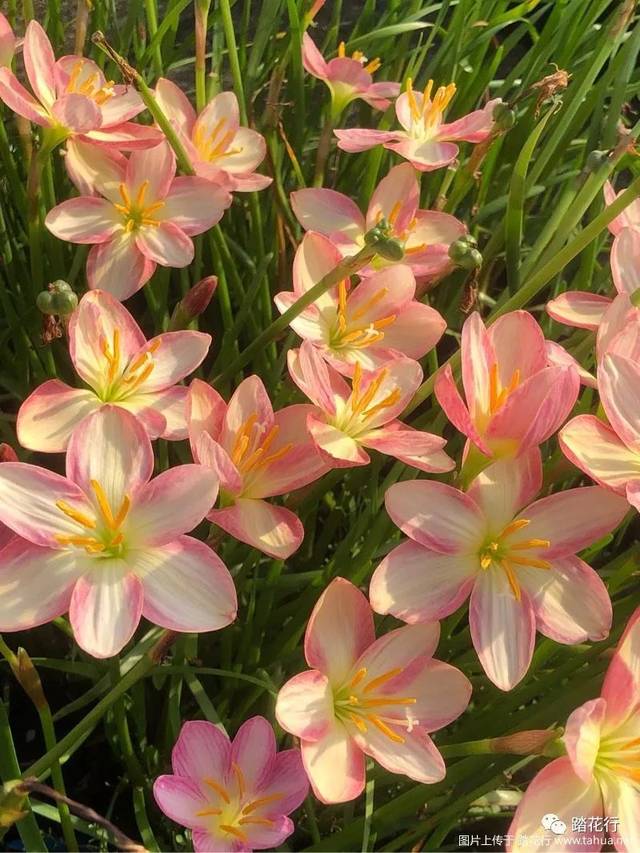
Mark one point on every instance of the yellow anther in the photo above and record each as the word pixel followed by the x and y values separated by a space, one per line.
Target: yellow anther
pixel 384 728
pixel 359 723
pixel 262 801
pixel 413 104
pixel 372 67
pixel 257 821
pixel 76 515
pixel 208 812
pixel 530 543
pixel 240 777
pixel 381 679
pixel 514 526
pixel 390 400
pixel 342 50
pixel 511 577
pixel 530 561
pixel 217 788
pixel 361 673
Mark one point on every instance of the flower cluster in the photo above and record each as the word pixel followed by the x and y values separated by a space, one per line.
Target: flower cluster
pixel 108 543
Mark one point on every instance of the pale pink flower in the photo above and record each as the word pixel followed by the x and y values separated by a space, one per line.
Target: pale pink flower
pixel 219 148
pixel 364 696
pixel 518 565
pixel 233 795
pixel 425 140
pixel 7 42
pixel 425 235
pixel 598 778
pixel 106 542
pixel 7 454
pixel 515 399
pixel 345 420
pixel 368 324
pixel 111 354
pixel 144 217
pixel 348 78
pixel 257 453
pixel 73 98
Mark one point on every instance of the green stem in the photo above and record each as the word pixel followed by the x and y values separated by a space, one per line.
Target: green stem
pixel 202 19
pixel 234 62
pixel 346 268
pixel 152 26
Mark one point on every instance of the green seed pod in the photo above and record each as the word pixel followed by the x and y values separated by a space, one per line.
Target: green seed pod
pixel 44 302
pixel 459 250
pixel 471 261
pixel 60 285
pixel 390 249
pixel 503 116
pixel 64 302
pixel 595 160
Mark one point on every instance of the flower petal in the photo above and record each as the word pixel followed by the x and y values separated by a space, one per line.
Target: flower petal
pixel 416 757
pixel 105 608
pixel 175 104
pixel 518 343
pixel 194 204
pixel 186 585
pixel 503 629
pixel 254 750
pixel 328 212
pixel 625 260
pixel 339 629
pixel 118 267
pixel 442 694
pixel 39 63
pixel 205 411
pixel 417 585
pixel 49 415
pixel 336 448
pixel 16 97
pixel 582 737
pixel 448 396
pixel 84 220
pixel 249 402
pixel 425 156
pixel 474 127
pixel 274 530
pixel 335 766
pixel 180 798
pixel 219 119
pixel 312 59
pixel 436 516
pixel 202 749
pixel 619 386
pixel 35 584
pixel 419 449
pixel 362 139
pixel 288 779
pixel 579 308
pixel 304 706
pixel 153 169
pixel 595 448
pixel 505 486
pixel 622 800
pixel 165 244
pixel 175 355
pixel 170 405
pixel 621 688
pixel 77 113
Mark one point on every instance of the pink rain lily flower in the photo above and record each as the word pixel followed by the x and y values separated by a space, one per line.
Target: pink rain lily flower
pixel 122 368
pixel 106 542
pixel 598 777
pixel 233 795
pixel 364 696
pixel 257 454
pixel 610 452
pixel 424 234
pixel 218 147
pixel 518 565
pixel 73 98
pixel 345 420
pixel 7 454
pixel 425 140
pixel 146 216
pixel 7 42
pixel 369 324
pixel 515 399
pixel 348 78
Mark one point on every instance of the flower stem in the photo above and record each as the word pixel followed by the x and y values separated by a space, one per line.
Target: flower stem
pixel 202 18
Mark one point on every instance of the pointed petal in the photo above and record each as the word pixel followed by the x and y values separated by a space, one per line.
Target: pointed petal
pixel 505 486
pixel 315 258
pixel 328 212
pixel 455 409
pixel 304 706
pixel 186 585
pixel 208 452
pixel 413 447
pixel 625 260
pixel 622 799
pixel 105 608
pixel 436 516
pixel 118 267
pixel 478 356
pixel 503 629
pixel 170 405
pixel 594 448
pixel 254 751
pixel 425 156
pixel 249 401
pixel 49 415
pixel 442 693
pixel 312 59
pixel 153 168
pixel 202 749
pixel 474 127
pixel 582 737
pixel 175 355
pixel 16 97
pixel 39 63
pixel 76 113
pixel 180 798
pixel 362 139
pixel 417 757
pixel 621 688
pixel 175 104
pixel 619 385
pixel 335 766
pixel 340 628
pixel 518 343
pixel 165 244
pixel 336 448
pixel 407 649
pixel 194 205
pixel 84 220
pixel 205 411
pixel 220 118
pixel 95 170
pixel 274 530
pixel 288 779
pixel 579 308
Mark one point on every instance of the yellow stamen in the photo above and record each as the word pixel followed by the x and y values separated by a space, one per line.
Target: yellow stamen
pixel 142 191
pixel 382 679
pixel 373 66
pixel 359 723
pixel 112 354
pixel 511 577
pixel 513 526
pixel 134 381
pixel 390 700
pixel 233 830
pixel 390 400
pixel 69 539
pixel 124 195
pixel 342 50
pixel 277 455
pixel 369 304
pixel 395 210
pixel 530 561
pixel 493 388
pixel 257 821
pixel 243 438
pixel 530 543
pixel 413 105
pixel 217 788
pixel 207 812
pixel 384 728
pixel 262 801
pixel 240 778
pixel 342 305
pixel 122 513
pixel 426 95
pixel 76 515
pixel 103 503
pixel 358 405
pixel 360 674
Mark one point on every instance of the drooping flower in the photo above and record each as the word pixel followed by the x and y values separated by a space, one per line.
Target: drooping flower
pixel 515 399
pixel 233 795
pixel 144 217
pixel 257 454
pixel 348 78
pixel 518 565
pixel 106 542
pixel 598 778
pixel 345 420
pixel 218 147
pixel 425 140
pixel 364 696
pixel 369 324
pixel 7 42
pixel 425 235
pixel 122 368
pixel 73 98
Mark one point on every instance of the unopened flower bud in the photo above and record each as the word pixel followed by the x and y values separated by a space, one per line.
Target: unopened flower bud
pixel 595 160
pixel 193 303
pixel 533 742
pixel 7 453
pixel 503 116
pixel 26 673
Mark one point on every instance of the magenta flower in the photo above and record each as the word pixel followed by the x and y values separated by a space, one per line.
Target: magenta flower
pixel 348 78
pixel 518 565
pixel 515 399
pixel 598 777
pixel 369 324
pixel 106 542
pixel 218 147
pixel 345 420
pixel 233 795
pixel 425 140
pixel 257 454
pixel 364 696
pixel 425 235
pixel 7 42
pixel 145 216
pixel 73 97
pixel 111 354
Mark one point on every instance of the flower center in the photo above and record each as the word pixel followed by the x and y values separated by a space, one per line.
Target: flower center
pixel 358 55
pixel 350 331
pixel 102 534
pixel 499 393
pixel 499 551
pixel 232 811
pixel 89 85
pixel 363 405
pixel 620 755
pixel 360 702
pixel 136 212
pixel 121 383
pixel 215 143
pixel 250 451
pixel 426 119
